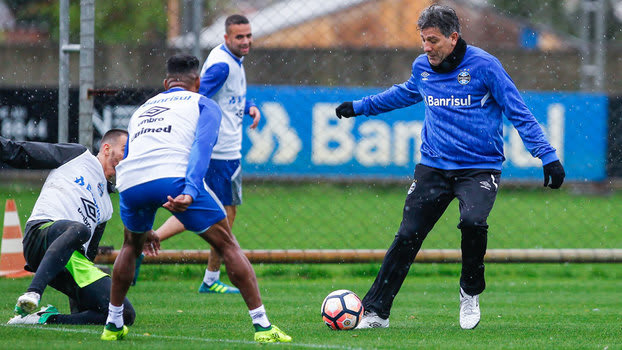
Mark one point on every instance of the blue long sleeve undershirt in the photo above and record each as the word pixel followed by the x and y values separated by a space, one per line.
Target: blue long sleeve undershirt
pixel 214 78
pixel 206 135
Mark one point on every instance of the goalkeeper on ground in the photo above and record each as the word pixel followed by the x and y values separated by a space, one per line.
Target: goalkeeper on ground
pixel 65 227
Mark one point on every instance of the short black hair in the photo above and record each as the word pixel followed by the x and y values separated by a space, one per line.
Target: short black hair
pixel 235 19
pixel 112 135
pixel 182 64
pixel 439 16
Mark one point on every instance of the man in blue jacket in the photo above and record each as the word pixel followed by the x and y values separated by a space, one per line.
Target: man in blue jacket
pixel 465 91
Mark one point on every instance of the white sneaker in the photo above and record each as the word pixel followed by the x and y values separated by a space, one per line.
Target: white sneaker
pixel 28 319
pixel 39 317
pixel 27 303
pixel 372 320
pixel 469 310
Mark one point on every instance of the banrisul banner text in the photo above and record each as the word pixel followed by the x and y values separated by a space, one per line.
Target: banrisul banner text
pixel 299 135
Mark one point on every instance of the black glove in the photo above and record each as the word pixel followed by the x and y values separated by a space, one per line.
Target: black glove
pixel 554 171
pixel 345 110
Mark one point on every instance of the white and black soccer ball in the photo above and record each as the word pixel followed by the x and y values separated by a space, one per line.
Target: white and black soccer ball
pixel 342 310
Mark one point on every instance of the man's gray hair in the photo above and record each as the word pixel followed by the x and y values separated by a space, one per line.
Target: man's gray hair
pixel 439 16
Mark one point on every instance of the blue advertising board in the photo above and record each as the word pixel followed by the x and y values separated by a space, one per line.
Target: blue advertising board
pixel 300 136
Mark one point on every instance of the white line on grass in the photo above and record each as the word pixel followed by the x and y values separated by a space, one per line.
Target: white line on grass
pixel 170 337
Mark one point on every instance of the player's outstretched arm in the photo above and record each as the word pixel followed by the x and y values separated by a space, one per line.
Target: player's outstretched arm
pixel 554 172
pixel 37 155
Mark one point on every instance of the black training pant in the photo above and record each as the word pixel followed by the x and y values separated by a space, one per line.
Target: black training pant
pixel 430 194
pixel 47 250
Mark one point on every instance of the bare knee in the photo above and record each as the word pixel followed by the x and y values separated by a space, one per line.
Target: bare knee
pixel 134 241
pixel 219 236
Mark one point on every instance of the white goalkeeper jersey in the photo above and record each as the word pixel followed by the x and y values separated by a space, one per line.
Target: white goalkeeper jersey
pixel 76 191
pixel 223 80
pixel 170 136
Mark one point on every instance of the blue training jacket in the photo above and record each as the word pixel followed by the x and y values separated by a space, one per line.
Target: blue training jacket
pixel 463 126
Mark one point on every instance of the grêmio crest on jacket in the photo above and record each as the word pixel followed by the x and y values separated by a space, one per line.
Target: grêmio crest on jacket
pixel 464 77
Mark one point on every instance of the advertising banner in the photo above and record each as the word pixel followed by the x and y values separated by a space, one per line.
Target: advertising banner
pixel 300 136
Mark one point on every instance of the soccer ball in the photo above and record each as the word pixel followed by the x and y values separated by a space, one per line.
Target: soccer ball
pixel 342 310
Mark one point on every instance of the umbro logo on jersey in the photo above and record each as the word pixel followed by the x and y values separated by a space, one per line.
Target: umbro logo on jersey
pixel 90 208
pixel 424 75
pixel 153 111
pixel 89 212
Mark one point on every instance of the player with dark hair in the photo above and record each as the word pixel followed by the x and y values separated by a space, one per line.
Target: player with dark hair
pixel 65 227
pixel 235 20
pixel 171 139
pixel 465 91
pixel 223 80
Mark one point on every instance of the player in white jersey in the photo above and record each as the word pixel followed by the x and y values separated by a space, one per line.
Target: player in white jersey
pixel 171 137
pixel 65 227
pixel 223 80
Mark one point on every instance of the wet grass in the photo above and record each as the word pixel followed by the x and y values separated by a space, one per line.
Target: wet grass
pixel 532 306
pixel 366 216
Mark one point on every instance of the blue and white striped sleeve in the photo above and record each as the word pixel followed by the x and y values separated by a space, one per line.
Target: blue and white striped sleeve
pixel 213 79
pixel 205 138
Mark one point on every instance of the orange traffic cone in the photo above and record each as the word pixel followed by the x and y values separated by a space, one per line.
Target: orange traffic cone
pixel 11 255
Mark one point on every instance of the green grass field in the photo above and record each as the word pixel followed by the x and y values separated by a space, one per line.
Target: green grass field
pixel 531 306
pixel 366 216
pixel 526 306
